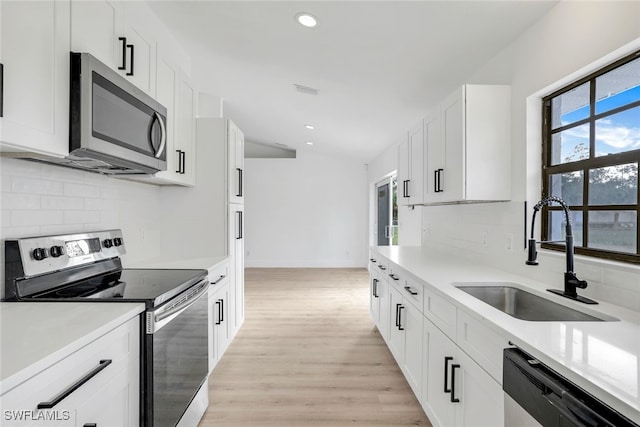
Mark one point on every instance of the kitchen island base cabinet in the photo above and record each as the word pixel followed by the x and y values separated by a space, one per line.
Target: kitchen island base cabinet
pixel 109 396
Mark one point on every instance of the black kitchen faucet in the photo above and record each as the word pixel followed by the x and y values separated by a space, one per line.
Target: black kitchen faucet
pixel 571 281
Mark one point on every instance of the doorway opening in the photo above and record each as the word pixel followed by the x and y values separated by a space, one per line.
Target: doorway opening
pixel 387 212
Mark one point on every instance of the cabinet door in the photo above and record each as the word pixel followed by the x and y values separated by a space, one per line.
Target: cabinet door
pixel 96 28
pixel 167 73
pixel 374 297
pixel 397 322
pixel 436 394
pixel 141 38
pixel 236 163
pixel 481 397
pixel 412 323
pixel 384 300
pixel 185 132
pixel 220 308
pixel 404 173
pixel 434 153
pixel 416 153
pixel 238 266
pixel 453 135
pixel 34 52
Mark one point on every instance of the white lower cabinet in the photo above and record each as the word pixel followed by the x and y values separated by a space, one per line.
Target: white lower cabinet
pixel 456 374
pixel 97 385
pixel 219 329
pixel 456 390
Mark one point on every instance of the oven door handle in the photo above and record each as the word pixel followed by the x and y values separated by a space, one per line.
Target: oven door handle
pixel 154 320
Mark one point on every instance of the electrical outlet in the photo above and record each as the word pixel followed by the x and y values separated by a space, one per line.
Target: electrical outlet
pixel 508 242
pixel 483 239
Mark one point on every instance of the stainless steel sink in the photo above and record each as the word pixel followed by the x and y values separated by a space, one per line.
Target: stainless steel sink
pixel 524 305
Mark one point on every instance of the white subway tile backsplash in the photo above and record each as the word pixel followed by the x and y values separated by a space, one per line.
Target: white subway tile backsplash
pixel 99 205
pixel 108 193
pixel 19 167
pixel 5 218
pixel 80 190
pixel 39 217
pixel 50 230
pixel 81 217
pixel 36 186
pixel 62 202
pixel 15 232
pixel 20 201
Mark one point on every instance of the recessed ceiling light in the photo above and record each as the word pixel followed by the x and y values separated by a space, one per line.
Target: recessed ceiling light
pixel 309 143
pixel 310 127
pixel 306 20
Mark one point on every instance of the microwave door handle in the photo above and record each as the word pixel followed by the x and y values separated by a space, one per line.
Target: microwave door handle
pixel 163 135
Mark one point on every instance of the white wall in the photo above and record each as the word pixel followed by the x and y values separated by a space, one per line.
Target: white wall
pixel 558 48
pixel 305 212
pixel 39 199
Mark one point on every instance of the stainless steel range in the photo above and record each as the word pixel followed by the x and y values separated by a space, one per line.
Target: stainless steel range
pixel 87 267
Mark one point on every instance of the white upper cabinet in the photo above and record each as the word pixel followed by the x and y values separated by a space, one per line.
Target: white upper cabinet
pixel 236 164
pixel 468 146
pixel 120 34
pixel 97 28
pixel 34 52
pixel 411 167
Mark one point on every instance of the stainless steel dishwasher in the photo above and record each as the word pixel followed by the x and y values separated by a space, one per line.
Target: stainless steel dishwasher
pixel 536 395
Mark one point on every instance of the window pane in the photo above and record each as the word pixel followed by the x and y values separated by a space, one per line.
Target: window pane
pixel 567 186
pixel 570 106
pixel 557 226
pixel 613 230
pixel 570 145
pixel 614 185
pixel 618 133
pixel 618 87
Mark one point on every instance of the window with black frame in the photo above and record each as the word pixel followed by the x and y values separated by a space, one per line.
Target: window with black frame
pixel 590 156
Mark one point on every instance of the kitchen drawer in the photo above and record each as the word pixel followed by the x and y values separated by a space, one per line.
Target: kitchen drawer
pixel 484 345
pixel 413 291
pixel 382 265
pixel 441 312
pixel 116 386
pixel 218 273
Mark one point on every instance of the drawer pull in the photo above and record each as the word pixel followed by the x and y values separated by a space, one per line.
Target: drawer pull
pixel 394 277
pixel 447 359
pixel 372 260
pixel 454 399
pixel 90 425
pixel 400 328
pixel 222 276
pixel 382 267
pixel 59 398
pixel 411 291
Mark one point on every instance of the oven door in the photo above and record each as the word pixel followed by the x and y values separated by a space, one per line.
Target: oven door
pixel 177 335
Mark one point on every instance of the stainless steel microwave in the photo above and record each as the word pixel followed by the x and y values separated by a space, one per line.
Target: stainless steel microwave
pixel 114 128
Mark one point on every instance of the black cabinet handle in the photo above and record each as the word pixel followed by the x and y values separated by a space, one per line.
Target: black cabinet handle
pixel 439 172
pixel 239 194
pixel 411 291
pixel 131 57
pixel 1 90
pixel 124 53
pixel 447 359
pixel 375 288
pixel 405 190
pixel 222 276
pixel 435 180
pixel 240 230
pixel 179 160
pixel 219 321
pixel 400 328
pixel 183 162
pixel 454 399
pixel 372 260
pixel 221 310
pixel 382 267
pixel 394 277
pixel 59 398
pixel 90 425
pixel 397 312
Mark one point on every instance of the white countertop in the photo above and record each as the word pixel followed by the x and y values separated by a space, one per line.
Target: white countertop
pixel 34 335
pixel 205 263
pixel 601 357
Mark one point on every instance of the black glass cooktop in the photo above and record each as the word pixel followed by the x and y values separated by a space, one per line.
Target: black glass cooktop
pixel 151 286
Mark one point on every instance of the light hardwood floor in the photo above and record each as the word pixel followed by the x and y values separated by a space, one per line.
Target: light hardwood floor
pixel 309 355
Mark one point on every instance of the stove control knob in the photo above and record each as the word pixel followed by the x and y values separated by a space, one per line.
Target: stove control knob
pixel 107 243
pixel 39 254
pixel 55 251
pixel 117 241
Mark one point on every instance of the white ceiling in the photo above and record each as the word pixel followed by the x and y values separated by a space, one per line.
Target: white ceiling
pixel 379 66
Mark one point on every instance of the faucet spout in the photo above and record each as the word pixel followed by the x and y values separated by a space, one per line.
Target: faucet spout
pixel 571 281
